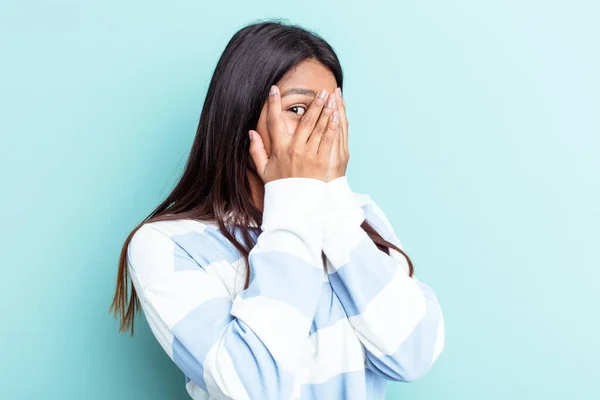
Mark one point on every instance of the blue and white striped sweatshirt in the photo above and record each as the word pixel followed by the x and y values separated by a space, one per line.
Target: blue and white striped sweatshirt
pixel 298 331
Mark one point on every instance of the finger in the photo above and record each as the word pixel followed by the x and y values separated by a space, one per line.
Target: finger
pixel 257 152
pixel 343 119
pixel 340 103
pixel 330 137
pixel 342 144
pixel 310 118
pixel 275 124
pixel 321 127
pixel 336 150
pixel 339 151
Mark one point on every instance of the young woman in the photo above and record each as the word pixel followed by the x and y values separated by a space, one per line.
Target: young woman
pixel 262 274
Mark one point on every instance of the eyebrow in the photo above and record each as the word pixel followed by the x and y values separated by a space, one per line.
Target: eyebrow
pixel 300 91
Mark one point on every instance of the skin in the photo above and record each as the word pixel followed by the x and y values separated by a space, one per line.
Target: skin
pixel 314 76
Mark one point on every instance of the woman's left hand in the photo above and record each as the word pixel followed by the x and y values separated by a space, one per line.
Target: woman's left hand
pixel 340 153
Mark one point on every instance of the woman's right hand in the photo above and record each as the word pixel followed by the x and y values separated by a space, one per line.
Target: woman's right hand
pixel 307 153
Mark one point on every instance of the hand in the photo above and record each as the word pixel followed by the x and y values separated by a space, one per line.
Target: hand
pixel 308 152
pixel 341 154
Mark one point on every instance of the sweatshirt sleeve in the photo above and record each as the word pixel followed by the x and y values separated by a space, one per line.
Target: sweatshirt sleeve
pixel 397 318
pixel 250 345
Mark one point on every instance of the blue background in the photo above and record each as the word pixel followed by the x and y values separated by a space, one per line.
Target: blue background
pixel 474 124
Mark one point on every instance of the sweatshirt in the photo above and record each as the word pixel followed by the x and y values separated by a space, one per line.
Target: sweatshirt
pixel 299 330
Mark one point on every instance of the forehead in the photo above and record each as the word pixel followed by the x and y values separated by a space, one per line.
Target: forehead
pixel 308 74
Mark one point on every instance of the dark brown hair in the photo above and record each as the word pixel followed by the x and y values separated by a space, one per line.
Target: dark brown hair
pixel 214 182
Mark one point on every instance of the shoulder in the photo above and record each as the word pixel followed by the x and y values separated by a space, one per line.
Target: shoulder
pixel 378 220
pixel 373 212
pixel 161 248
pixel 175 227
pixel 154 236
pixel 375 215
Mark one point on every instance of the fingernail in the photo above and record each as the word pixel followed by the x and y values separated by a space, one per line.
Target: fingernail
pixel 273 90
pixel 250 134
pixel 322 93
pixel 338 92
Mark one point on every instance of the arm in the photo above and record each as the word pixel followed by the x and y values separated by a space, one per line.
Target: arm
pixel 249 347
pixel 397 318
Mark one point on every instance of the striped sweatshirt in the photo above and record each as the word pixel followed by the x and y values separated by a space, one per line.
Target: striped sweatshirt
pixel 300 330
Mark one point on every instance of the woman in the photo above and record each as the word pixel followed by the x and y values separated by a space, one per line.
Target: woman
pixel 262 275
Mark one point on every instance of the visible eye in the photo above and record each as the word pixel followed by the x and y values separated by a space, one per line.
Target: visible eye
pixel 293 108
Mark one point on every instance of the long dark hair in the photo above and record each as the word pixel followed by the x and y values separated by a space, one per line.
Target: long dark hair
pixel 214 185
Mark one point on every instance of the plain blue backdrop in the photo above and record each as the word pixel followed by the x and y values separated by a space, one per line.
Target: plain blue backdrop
pixel 474 124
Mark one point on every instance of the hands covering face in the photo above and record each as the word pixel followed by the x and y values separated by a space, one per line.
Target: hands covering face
pixel 317 149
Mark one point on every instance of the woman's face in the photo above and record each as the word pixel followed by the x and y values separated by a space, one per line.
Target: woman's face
pixel 298 88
